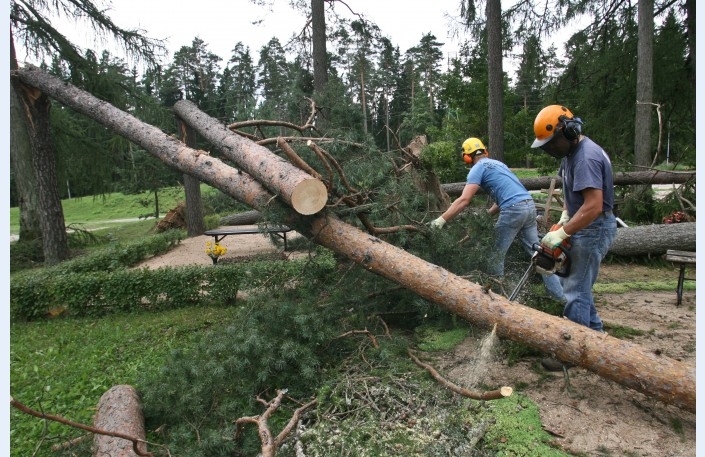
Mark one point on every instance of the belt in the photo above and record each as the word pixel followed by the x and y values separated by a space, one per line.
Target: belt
pixel 606 213
pixel 523 202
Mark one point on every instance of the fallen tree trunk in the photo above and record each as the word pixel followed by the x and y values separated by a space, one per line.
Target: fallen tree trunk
pixel 244 218
pixel 665 379
pixel 620 179
pixel 654 239
pixel 306 194
pixel 119 410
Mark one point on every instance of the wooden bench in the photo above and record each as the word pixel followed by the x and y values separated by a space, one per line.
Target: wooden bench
pixel 278 230
pixel 682 258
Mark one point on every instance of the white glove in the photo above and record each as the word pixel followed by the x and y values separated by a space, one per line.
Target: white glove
pixel 437 223
pixel 554 238
pixel 564 218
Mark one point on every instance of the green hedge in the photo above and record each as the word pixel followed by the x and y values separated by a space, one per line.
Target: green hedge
pixel 101 283
pixel 102 292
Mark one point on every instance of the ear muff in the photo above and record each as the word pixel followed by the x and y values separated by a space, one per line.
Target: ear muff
pixel 467 159
pixel 572 127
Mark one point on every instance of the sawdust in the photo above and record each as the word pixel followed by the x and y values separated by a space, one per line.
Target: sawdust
pixel 598 417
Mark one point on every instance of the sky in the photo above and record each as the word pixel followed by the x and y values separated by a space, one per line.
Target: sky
pixel 222 24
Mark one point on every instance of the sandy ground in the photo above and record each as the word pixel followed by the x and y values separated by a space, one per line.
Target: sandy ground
pixel 596 417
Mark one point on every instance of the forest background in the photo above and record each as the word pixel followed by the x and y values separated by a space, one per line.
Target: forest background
pixel 371 91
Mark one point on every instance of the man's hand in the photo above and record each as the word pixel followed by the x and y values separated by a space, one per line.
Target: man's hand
pixel 437 223
pixel 554 238
pixel 564 218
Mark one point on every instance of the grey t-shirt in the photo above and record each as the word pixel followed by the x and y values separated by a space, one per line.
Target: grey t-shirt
pixel 587 167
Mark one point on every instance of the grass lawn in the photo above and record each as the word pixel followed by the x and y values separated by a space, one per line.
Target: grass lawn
pixel 63 366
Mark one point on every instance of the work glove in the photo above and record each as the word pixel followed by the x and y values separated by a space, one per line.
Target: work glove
pixel 564 218
pixel 437 223
pixel 554 238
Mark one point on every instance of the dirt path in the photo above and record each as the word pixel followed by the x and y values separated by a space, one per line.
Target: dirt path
pixel 597 417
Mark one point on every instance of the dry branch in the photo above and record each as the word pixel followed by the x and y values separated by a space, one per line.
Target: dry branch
pixel 270 444
pixel 497 394
pixel 297 160
pixel 361 332
pixel 137 443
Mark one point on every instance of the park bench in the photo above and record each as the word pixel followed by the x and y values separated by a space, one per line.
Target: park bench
pixel 682 258
pixel 277 230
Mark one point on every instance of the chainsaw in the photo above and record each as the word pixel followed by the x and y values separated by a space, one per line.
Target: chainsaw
pixel 546 261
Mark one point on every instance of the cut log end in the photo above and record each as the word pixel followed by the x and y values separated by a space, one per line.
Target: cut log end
pixel 506 391
pixel 309 197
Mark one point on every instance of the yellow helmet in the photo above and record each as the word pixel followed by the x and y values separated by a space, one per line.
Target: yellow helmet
pixel 546 122
pixel 471 148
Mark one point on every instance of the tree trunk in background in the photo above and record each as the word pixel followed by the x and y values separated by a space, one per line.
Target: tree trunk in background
pixel 690 61
pixel 25 183
pixel 620 179
pixel 35 107
pixel 320 57
pixel 655 375
pixel 195 225
pixel 644 84
pixel 495 80
pixel 21 161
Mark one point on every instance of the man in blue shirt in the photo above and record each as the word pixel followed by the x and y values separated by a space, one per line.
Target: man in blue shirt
pixel 588 191
pixel 517 212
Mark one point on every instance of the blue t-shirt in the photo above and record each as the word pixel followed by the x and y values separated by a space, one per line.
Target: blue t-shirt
pixel 498 181
pixel 587 167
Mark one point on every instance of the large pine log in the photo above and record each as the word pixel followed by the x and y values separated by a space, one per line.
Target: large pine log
pixel 668 380
pixel 303 192
pixel 119 410
pixel 620 179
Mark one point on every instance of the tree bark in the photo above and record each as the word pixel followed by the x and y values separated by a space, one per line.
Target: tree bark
pixel 36 106
pixel 644 84
pixel 119 410
pixel 660 377
pixel 304 193
pixel 318 42
pixel 495 80
pixel 654 239
pixel 620 179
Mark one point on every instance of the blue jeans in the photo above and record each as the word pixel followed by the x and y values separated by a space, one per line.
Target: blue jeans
pixel 519 221
pixel 588 247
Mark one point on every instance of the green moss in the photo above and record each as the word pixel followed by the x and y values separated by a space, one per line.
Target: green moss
pixel 517 430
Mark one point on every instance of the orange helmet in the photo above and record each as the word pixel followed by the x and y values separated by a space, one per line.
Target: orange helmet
pixel 471 148
pixel 546 122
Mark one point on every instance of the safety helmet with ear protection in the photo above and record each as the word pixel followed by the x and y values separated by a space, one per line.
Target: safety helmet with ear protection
pixel 472 147
pixel 550 120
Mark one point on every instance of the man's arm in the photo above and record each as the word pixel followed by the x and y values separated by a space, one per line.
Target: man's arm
pixel 588 212
pixel 461 202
